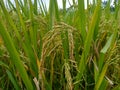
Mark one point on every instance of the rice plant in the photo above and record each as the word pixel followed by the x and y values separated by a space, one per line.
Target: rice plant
pixel 73 48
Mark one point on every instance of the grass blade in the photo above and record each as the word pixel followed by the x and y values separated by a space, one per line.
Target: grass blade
pixel 15 56
pixel 89 38
pixel 27 46
pixel 82 18
pixel 14 82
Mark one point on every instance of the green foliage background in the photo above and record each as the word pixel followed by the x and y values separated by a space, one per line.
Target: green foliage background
pixel 59 49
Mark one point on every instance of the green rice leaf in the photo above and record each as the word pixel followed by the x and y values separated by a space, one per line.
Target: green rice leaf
pixel 89 38
pixel 82 18
pixel 15 56
pixel 14 82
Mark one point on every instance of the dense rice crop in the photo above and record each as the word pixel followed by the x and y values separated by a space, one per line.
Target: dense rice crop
pixel 59 49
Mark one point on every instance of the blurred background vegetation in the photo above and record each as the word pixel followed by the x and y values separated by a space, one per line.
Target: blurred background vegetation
pixel 59 49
